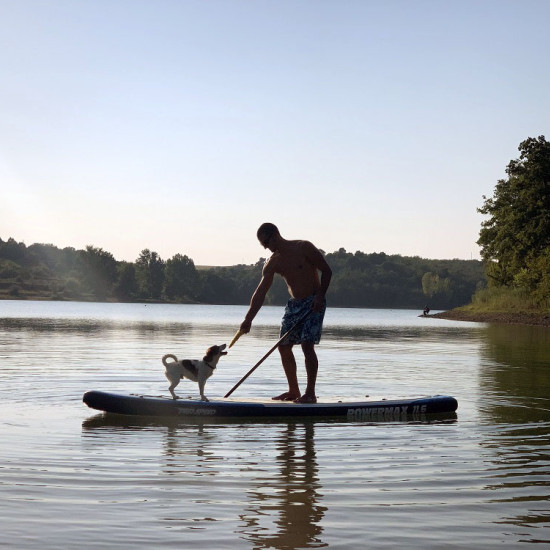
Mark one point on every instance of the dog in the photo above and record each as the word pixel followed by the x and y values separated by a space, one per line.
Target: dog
pixel 192 369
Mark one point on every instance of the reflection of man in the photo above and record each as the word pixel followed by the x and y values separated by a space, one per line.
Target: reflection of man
pixel 286 510
pixel 299 263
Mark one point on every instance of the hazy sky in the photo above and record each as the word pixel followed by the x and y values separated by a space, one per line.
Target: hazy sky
pixel 182 125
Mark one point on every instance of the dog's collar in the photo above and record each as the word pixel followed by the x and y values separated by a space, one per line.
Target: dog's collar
pixel 212 367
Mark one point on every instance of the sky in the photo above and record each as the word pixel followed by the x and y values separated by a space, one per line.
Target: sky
pixel 182 125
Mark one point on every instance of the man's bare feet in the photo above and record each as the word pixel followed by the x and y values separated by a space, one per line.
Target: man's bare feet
pixel 287 396
pixel 306 399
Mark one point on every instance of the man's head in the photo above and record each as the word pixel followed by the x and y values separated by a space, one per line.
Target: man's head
pixel 265 234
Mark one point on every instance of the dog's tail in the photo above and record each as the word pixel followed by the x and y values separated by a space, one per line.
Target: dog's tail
pixel 169 356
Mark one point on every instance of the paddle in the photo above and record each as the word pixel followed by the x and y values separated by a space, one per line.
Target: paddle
pixel 301 320
pixel 238 334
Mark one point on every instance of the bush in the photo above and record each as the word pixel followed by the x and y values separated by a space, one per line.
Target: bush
pixel 72 287
pixel 14 291
pixel 9 269
pixel 505 299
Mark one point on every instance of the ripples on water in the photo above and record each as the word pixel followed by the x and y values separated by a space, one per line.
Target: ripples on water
pixel 73 478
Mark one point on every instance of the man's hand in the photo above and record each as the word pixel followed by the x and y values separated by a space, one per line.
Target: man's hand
pixel 245 326
pixel 318 303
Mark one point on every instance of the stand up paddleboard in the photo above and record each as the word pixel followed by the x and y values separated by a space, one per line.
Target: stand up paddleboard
pixel 391 409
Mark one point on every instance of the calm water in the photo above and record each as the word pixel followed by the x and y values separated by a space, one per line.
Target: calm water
pixel 72 478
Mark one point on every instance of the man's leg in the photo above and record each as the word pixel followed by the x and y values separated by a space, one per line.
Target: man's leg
pixel 312 367
pixel 289 365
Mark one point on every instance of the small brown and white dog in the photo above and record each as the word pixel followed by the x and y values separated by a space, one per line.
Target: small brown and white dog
pixel 192 369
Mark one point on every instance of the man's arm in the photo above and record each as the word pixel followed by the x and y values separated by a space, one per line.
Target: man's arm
pixel 258 297
pixel 318 261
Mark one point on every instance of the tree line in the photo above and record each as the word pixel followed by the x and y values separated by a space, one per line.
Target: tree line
pixel 359 279
pixel 514 240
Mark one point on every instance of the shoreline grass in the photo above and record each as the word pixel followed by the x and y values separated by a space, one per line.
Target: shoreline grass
pixel 502 305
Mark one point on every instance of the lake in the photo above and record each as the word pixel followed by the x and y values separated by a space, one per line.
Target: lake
pixel 74 478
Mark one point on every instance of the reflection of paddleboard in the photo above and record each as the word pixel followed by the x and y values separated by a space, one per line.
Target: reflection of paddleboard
pixel 394 409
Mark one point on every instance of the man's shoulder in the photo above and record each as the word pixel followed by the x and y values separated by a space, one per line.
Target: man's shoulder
pixel 301 244
pixel 271 263
pixel 306 248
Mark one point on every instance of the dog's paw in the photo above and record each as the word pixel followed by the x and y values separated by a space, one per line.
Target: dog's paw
pixel 204 398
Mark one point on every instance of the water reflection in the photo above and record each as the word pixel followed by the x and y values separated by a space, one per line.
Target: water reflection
pixel 401 333
pixel 170 333
pixel 197 459
pixel 291 494
pixel 278 484
pixel 514 380
pixel 515 375
pixel 90 326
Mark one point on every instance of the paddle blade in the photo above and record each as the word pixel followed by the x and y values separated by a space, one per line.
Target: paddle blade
pixel 238 334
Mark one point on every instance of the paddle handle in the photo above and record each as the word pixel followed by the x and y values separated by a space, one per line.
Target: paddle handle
pixel 301 320
pixel 238 334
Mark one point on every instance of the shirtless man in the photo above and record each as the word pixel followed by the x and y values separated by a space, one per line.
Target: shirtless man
pixel 299 263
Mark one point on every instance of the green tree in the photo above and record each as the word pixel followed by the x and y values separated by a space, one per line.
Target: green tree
pixel 216 289
pixel 126 286
pixel 150 274
pixel 517 231
pixel 181 278
pixel 12 250
pixel 429 284
pixel 98 269
pixel 359 279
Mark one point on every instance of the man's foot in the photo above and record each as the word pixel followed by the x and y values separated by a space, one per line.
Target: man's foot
pixel 306 399
pixel 287 396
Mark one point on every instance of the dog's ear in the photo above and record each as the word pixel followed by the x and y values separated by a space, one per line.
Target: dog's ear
pixel 209 354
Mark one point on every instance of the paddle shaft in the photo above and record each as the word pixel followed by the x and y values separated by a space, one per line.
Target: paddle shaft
pixel 295 326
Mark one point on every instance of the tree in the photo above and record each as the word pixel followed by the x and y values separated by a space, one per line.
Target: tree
pixel 359 279
pixel 517 231
pixel 126 287
pixel 215 289
pixel 150 274
pixel 181 278
pixel 429 284
pixel 12 250
pixel 98 269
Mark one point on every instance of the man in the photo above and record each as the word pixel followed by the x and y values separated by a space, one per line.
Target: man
pixel 299 263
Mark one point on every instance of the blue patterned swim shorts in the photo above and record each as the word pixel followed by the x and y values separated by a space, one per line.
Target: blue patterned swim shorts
pixel 309 330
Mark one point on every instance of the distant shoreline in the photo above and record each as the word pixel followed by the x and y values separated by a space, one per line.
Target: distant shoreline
pixel 508 318
pixel 458 314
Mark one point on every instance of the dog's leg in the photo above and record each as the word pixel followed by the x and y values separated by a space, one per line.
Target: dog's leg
pixel 202 382
pixel 172 387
